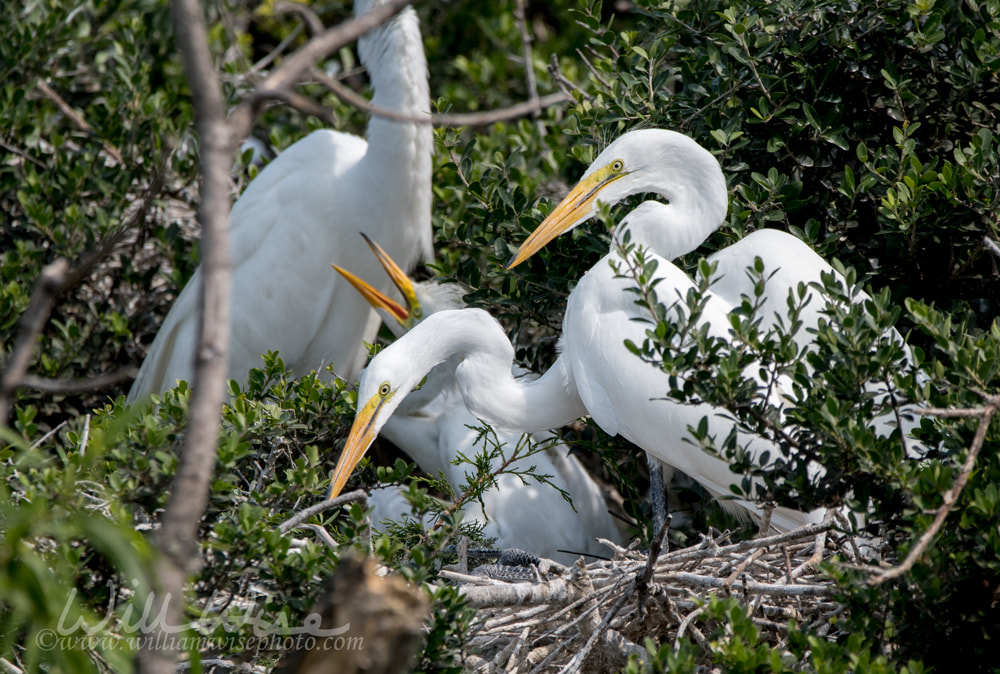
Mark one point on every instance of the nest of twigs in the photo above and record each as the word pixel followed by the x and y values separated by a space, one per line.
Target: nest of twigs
pixel 593 617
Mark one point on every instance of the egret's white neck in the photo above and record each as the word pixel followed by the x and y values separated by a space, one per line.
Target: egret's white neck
pixel 686 175
pixel 673 229
pixel 394 56
pixel 531 406
pixel 484 358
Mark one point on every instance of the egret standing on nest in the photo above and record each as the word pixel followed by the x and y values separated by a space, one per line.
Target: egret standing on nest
pixel 304 210
pixel 432 426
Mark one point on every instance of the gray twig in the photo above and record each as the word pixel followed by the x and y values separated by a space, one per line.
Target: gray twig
pixel 447 119
pixel 950 498
pixel 177 537
pixel 97 383
pixel 326 504
pixel 43 299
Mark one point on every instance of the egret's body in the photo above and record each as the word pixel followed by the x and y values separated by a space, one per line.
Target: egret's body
pixel 432 425
pixel 623 394
pixel 303 211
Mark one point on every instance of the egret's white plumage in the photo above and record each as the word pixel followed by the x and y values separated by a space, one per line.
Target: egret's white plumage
pixel 617 388
pixel 432 426
pixel 674 166
pixel 302 212
pixel 476 342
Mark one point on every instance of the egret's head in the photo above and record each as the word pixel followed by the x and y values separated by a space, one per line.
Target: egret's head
pixel 388 379
pixel 398 318
pixel 646 160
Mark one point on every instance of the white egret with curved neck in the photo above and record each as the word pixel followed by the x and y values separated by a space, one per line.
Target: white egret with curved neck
pixel 305 209
pixel 599 312
pixel 432 426
pixel 688 176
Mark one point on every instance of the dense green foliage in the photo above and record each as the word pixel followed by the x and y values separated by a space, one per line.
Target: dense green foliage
pixel 871 131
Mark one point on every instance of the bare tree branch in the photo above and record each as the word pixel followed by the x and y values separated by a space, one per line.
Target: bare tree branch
pixel 521 17
pixel 43 299
pixel 78 385
pixel 80 122
pixel 563 82
pixel 55 279
pixel 21 153
pixel 325 504
pixel 279 82
pixel 177 537
pixel 312 22
pixel 593 70
pixel 448 119
pixel 305 105
pixel 950 497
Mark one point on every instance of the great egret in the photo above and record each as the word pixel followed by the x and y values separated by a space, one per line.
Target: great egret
pixel 304 210
pixel 432 426
pixel 689 177
pixel 599 311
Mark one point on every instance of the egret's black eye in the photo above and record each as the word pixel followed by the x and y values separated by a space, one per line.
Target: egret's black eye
pixel 417 312
pixel 383 390
pixel 617 165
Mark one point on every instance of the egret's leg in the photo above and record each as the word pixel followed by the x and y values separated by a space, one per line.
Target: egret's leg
pixel 657 494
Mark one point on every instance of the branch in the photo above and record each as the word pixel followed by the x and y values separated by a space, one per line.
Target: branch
pixel 325 504
pixel 55 279
pixel 697 580
pixel 517 594
pixel 177 537
pixel 80 122
pixel 97 383
pixel 305 14
pixel 446 119
pixel 950 497
pixel 521 18
pixel 282 78
pixel 43 299
pixel 564 83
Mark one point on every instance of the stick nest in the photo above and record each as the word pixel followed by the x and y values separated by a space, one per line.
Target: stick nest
pixel 593 617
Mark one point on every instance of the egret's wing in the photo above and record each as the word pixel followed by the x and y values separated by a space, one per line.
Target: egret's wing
pixel 287 211
pixel 788 263
pixel 303 174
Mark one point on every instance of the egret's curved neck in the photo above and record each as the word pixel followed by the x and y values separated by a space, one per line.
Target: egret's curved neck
pixel 531 406
pixel 483 357
pixel 686 175
pixel 673 229
pixel 394 56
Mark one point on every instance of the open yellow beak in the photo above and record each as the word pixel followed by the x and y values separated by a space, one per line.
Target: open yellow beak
pixel 362 435
pixel 377 298
pixel 577 205
pixel 398 276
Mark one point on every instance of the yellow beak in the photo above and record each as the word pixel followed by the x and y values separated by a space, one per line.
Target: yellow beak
pixel 398 276
pixel 377 298
pixel 577 206
pixel 362 435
